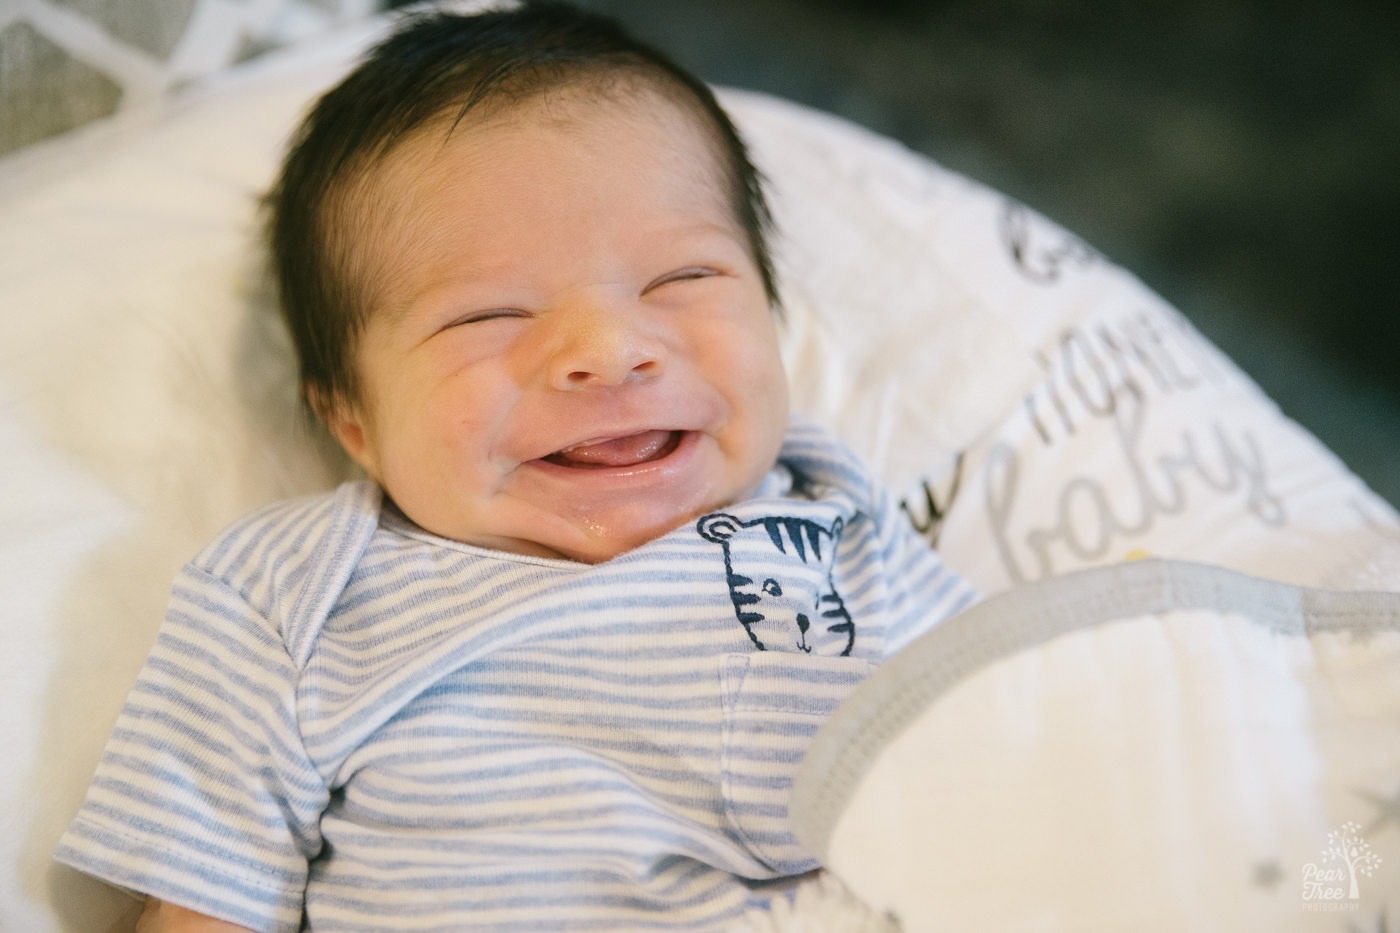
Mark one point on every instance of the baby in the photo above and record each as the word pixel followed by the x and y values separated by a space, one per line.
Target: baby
pixel 554 664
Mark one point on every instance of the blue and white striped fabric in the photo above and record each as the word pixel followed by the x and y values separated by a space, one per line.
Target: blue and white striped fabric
pixel 348 724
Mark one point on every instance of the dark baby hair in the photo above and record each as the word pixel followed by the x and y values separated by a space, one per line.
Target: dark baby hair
pixel 440 67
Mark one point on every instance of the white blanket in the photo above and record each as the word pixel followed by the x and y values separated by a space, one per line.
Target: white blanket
pixel 1155 746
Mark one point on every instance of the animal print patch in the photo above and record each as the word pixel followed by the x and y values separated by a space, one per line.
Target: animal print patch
pixel 779 571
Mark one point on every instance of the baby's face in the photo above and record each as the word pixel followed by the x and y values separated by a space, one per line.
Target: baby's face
pixel 571 350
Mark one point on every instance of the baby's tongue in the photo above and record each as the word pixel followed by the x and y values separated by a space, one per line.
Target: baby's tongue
pixel 617 452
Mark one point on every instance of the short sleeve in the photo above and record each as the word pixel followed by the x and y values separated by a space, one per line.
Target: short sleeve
pixel 205 796
pixel 923 591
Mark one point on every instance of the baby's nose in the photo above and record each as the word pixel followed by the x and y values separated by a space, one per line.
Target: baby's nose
pixel 603 344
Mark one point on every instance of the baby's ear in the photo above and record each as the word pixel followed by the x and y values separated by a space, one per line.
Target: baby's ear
pixel 346 423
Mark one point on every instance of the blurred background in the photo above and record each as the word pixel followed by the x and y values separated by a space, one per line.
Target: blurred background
pixel 1242 158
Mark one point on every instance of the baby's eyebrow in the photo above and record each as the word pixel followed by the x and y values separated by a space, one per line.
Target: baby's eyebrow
pixel 661 246
pixel 701 237
pixel 455 288
pixel 730 229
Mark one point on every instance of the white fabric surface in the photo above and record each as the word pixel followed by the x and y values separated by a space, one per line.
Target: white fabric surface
pixel 1153 747
pixel 146 399
pixel 1037 408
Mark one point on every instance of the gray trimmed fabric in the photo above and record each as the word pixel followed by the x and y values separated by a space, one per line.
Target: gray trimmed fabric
pixel 1029 616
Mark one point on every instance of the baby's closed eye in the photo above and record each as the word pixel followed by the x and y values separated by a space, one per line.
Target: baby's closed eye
pixel 489 314
pixel 688 274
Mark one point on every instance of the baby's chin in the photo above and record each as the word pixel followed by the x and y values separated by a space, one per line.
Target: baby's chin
pixel 600 541
pixel 581 540
pixel 599 538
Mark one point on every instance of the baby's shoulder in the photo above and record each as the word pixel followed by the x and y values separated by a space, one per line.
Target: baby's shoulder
pixel 822 464
pixel 273 540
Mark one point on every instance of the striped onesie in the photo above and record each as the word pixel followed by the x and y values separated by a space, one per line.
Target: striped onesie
pixel 349 724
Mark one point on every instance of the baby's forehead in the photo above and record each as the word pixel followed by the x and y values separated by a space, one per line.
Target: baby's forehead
pixel 502 135
pixel 641 100
pixel 414 192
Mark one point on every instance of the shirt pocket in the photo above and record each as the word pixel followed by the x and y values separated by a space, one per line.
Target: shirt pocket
pixel 774 702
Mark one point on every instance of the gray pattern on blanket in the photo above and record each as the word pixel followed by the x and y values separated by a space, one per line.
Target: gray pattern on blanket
pixel 64 63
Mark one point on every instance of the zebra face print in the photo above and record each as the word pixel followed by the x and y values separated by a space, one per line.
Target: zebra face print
pixel 779 574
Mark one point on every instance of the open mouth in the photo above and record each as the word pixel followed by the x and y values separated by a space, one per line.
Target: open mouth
pixel 614 452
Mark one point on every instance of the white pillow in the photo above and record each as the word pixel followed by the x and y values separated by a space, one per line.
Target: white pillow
pixel 146 393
